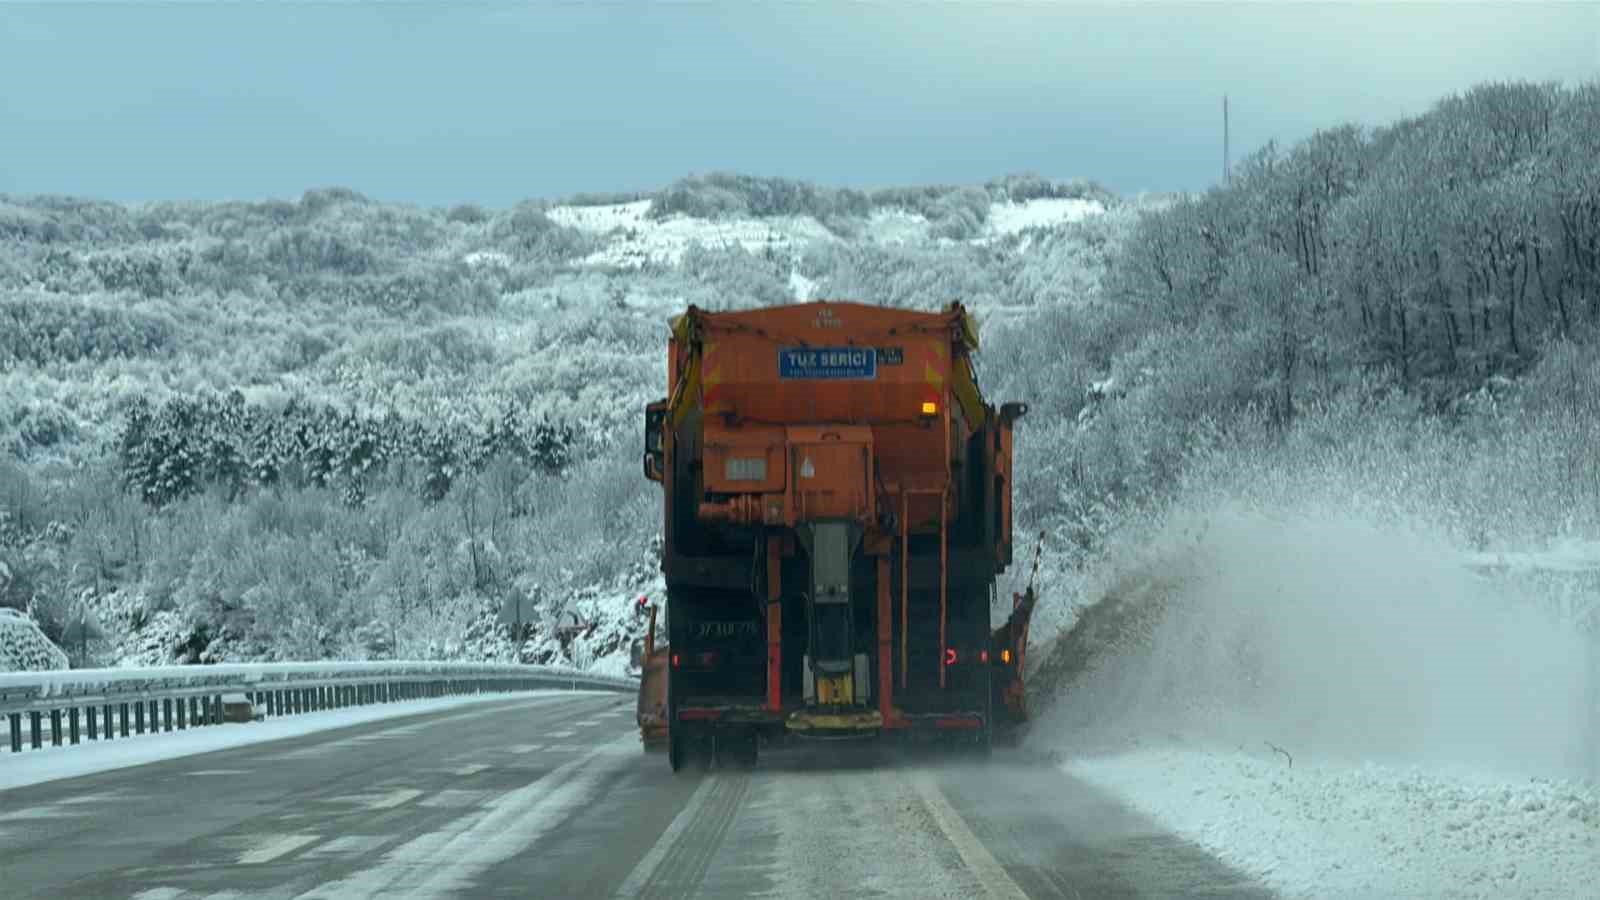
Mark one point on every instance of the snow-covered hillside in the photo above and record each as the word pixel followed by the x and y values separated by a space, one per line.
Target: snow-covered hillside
pixel 1011 218
pixel 634 239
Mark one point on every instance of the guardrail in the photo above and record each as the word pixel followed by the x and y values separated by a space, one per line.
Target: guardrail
pixel 102 704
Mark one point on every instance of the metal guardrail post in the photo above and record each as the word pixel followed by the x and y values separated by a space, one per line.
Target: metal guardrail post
pixel 166 714
pixel 72 718
pixel 55 727
pixel 94 729
pixel 33 722
pixel 16 732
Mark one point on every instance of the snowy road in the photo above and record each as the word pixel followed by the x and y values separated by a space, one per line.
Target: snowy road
pixel 550 796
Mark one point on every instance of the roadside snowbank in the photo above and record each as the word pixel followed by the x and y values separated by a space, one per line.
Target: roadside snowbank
pixel 1321 829
pixel 51 764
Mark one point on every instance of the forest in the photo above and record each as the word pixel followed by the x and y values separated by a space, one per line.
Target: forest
pixel 335 427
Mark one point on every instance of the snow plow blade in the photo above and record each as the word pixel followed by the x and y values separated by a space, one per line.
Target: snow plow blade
pixel 1010 651
pixel 651 713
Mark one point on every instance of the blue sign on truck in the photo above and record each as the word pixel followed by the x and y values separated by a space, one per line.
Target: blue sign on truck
pixel 828 362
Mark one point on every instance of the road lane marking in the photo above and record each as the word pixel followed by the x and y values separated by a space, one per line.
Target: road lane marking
pixel 217 772
pixel 636 880
pixel 451 799
pixel 561 734
pixel 281 845
pixel 525 748
pixel 471 769
pixel 990 874
pixel 446 861
pixel 350 845
pixel 379 801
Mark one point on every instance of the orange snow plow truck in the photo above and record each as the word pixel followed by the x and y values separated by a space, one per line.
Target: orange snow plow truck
pixel 837 504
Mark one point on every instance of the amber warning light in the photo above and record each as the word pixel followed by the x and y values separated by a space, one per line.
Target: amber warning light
pixel 929 408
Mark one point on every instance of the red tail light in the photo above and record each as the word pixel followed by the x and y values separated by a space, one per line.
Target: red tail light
pixel 950 656
pixel 677 661
pixel 983 657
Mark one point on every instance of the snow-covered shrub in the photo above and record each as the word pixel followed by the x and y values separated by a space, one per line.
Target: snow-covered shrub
pixel 24 648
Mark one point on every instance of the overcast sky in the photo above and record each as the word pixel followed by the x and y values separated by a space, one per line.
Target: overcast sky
pixel 494 103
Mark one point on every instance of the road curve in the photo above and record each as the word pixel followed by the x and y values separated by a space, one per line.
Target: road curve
pixel 550 796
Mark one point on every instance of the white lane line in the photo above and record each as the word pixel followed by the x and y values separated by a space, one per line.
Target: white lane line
pixel 217 772
pixel 283 845
pixel 640 876
pixel 455 799
pixel 379 801
pixel 446 861
pixel 394 798
pixel 587 723
pixel 525 748
pixel 160 893
pixel 560 734
pixel 349 845
pixel 990 874
pixel 472 769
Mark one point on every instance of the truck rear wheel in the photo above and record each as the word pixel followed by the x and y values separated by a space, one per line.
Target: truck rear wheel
pixel 739 750
pixel 677 752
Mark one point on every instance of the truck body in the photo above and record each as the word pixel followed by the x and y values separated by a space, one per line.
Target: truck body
pixel 836 507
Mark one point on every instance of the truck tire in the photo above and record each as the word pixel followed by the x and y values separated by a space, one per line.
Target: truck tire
pixel 983 745
pixel 741 751
pixel 677 752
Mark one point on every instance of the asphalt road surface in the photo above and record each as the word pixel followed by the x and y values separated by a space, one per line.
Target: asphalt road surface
pixel 551 796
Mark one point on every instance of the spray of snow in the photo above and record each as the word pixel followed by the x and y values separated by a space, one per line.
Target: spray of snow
pixel 1339 636
pixel 1268 685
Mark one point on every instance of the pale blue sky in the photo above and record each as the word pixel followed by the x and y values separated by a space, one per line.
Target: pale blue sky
pixel 495 102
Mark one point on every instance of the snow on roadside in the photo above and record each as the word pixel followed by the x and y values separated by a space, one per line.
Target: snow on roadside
pixel 1443 722
pixel 51 764
pixel 1320 829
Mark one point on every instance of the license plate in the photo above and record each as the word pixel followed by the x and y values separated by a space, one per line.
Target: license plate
pixel 828 362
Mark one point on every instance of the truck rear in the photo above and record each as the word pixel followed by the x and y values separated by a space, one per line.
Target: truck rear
pixel 836 507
